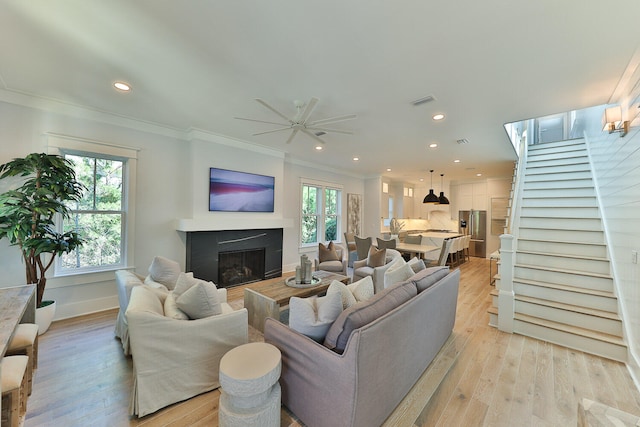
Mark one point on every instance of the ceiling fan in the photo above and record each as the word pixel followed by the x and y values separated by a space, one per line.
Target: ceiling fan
pixel 300 122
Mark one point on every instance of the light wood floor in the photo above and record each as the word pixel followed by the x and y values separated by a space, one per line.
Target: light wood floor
pixel 499 379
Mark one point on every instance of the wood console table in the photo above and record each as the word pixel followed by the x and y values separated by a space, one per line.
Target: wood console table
pixel 17 305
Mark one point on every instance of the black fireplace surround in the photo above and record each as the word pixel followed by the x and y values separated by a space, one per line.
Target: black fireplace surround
pixel 204 249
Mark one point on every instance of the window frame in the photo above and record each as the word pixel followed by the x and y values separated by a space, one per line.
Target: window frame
pixel 321 211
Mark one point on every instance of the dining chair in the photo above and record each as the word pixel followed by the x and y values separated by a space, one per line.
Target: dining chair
pixel 362 246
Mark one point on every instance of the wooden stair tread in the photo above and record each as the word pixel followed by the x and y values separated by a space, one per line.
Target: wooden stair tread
pixel 569 307
pixel 582 257
pixel 492 310
pixel 588 333
pixel 567 288
pixel 565 271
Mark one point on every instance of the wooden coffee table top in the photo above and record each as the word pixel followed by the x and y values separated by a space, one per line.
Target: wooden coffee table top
pixel 277 290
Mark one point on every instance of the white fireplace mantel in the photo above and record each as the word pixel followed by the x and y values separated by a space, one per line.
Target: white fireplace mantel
pixel 231 222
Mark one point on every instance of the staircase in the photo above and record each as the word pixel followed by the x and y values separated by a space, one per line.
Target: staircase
pixel 562 278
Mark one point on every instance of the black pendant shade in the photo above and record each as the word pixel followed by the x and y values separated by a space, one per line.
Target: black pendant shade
pixel 431 197
pixel 442 199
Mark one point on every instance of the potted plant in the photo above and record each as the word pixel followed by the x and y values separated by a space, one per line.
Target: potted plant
pixel 46 185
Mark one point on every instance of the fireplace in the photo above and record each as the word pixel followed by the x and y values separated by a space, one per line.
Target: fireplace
pixel 233 257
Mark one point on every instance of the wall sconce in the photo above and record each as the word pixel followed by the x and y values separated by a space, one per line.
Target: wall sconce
pixel 612 120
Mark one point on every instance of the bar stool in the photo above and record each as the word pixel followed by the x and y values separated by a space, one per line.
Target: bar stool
pixel 14 384
pixel 25 342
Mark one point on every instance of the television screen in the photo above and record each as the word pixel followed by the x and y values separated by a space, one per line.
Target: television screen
pixel 234 191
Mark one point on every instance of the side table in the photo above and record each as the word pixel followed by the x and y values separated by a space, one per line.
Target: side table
pixel 250 394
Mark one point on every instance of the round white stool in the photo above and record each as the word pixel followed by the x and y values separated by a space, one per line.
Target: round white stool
pixel 250 393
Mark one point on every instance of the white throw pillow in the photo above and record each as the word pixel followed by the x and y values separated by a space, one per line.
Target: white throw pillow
pixel 165 271
pixel 184 282
pixel 200 300
pixel 397 275
pixel 363 289
pixel 313 316
pixel 152 284
pixel 416 264
pixel 171 309
pixel 346 296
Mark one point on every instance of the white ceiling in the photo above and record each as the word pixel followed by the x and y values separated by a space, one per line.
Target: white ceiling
pixel 196 64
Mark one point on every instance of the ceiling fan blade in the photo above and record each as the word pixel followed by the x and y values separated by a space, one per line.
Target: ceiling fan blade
pixel 272 131
pixel 311 105
pixel 261 101
pixel 295 131
pixel 312 135
pixel 333 119
pixel 261 121
pixel 346 132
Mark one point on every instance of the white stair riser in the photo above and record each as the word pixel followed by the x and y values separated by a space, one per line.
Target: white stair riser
pixel 598 251
pixel 565 202
pixel 494 300
pixel 561 278
pixel 584 236
pixel 555 156
pixel 558 193
pixel 536 163
pixel 561 212
pixel 556 176
pixel 574 167
pixel 576 264
pixel 576 224
pixel 493 320
pixel 570 144
pixel 581 320
pixel 565 184
pixel 588 345
pixel 566 297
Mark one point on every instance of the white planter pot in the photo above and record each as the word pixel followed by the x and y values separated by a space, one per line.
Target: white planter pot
pixel 44 316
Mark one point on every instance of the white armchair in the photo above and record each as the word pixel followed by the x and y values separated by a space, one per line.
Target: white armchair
pixel 174 360
pixel 362 270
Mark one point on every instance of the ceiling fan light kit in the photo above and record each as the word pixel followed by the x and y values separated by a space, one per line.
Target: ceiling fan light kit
pixel 300 122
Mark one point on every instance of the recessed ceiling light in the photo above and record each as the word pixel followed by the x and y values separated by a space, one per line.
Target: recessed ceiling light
pixel 319 147
pixel 355 159
pixel 122 86
pixel 478 174
pixel 438 116
pixel 388 169
pixel 456 161
pixel 421 179
pixel 434 145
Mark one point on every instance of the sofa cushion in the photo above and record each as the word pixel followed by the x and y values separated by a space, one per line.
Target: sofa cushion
pixel 184 282
pixel 376 257
pixel 200 300
pixel 165 271
pixel 365 312
pixel 153 284
pixel 327 253
pixel 396 274
pixel 363 289
pixel 171 309
pixel 346 296
pixel 427 277
pixel 416 264
pixel 313 316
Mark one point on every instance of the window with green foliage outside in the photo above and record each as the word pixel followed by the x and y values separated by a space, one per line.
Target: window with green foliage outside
pixel 321 207
pixel 98 217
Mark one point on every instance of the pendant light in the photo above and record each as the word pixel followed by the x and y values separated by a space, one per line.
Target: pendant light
pixel 431 197
pixel 442 199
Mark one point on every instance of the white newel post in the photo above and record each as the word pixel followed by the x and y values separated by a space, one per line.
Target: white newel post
pixel 506 309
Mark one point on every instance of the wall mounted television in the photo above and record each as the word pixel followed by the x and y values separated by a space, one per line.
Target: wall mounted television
pixel 235 191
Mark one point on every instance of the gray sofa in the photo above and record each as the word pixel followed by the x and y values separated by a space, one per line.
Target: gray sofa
pixel 381 360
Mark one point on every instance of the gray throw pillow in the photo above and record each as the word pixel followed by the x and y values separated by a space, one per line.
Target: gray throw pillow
pixel 428 277
pixel 366 312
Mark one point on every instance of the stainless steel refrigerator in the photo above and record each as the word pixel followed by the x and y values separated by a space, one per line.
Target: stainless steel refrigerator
pixel 475 223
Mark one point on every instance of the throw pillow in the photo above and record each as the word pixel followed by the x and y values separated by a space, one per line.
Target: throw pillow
pixel 165 271
pixel 200 300
pixel 171 309
pixel 313 316
pixel 327 253
pixel 149 282
pixel 429 276
pixel 346 297
pixel 366 312
pixel 416 264
pixel 184 282
pixel 398 274
pixel 376 257
pixel 363 289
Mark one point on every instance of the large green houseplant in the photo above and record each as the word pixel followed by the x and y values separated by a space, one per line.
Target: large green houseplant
pixel 44 186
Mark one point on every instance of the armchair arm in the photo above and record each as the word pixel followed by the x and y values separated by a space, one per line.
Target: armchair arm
pixel 360 263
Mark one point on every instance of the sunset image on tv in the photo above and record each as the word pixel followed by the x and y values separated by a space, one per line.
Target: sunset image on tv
pixel 234 191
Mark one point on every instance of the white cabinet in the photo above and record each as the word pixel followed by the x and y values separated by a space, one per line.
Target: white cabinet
pixel 470 196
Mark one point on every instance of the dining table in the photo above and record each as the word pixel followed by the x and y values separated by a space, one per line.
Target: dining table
pixel 420 250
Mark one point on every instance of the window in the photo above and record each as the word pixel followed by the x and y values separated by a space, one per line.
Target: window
pixel 106 213
pixel 321 209
pixel 99 217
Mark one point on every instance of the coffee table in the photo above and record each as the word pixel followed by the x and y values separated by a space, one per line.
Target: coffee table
pixel 264 299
